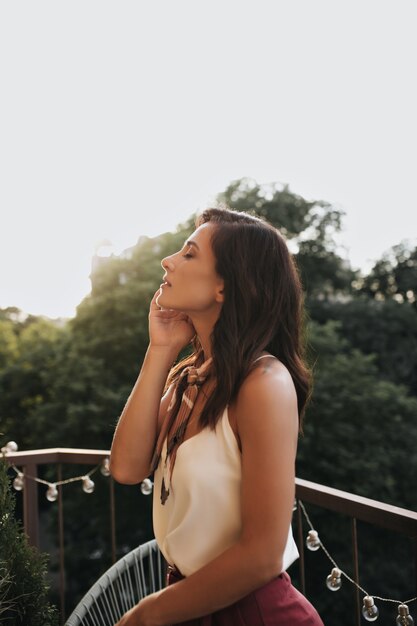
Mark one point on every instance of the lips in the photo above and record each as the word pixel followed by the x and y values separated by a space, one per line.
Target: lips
pixel 166 282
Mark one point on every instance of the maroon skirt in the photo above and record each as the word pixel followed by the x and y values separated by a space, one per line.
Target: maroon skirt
pixel 278 603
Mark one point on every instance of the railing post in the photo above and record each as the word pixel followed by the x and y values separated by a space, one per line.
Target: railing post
pixel 30 504
pixel 112 520
pixel 301 549
pixel 415 561
pixel 356 570
pixel 61 547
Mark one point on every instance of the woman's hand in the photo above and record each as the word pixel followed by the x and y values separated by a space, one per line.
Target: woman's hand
pixel 169 328
pixel 143 614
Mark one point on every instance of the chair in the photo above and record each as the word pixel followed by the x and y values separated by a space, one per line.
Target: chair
pixel 139 573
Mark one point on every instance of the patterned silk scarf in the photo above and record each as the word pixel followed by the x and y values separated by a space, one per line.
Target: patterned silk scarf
pixel 174 427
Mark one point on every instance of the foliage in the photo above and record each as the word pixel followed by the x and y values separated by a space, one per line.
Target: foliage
pixel 387 329
pixel 360 429
pixel 112 323
pixel 29 348
pixel 288 211
pixel 23 590
pixel 394 276
pixel 311 226
pixel 8 343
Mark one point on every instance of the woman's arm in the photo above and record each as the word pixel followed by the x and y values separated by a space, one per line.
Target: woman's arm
pixel 136 432
pixel 268 428
pixel 138 426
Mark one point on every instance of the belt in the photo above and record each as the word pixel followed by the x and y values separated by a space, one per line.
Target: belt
pixel 173 575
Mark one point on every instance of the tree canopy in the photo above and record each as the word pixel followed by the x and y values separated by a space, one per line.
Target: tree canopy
pixel 310 227
pixel 394 276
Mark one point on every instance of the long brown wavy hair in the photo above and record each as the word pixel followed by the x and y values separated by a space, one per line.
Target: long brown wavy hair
pixel 262 310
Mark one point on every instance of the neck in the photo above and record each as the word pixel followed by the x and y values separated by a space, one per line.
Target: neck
pixel 204 332
pixel 206 346
pixel 204 337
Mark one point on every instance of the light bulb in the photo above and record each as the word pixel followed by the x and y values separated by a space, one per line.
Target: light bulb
pixel 146 486
pixel 369 610
pixel 88 485
pixel 334 580
pixel 52 493
pixel 313 541
pixel 11 446
pixel 18 482
pixel 404 618
pixel 105 467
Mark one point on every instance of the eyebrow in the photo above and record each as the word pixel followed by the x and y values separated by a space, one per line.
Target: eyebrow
pixel 192 243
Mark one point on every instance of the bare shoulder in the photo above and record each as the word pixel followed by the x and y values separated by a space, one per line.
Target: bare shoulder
pixel 267 399
pixel 268 378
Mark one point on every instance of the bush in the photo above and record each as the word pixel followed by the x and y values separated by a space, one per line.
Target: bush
pixel 23 589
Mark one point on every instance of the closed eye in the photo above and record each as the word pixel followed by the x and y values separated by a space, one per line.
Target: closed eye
pixel 187 254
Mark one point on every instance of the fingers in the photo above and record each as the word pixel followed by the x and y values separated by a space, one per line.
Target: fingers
pixel 170 315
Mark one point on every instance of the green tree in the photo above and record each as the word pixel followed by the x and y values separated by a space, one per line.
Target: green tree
pixel 8 343
pixel 310 226
pixel 27 353
pixel 386 329
pixel 360 430
pixel 394 276
pixel 286 210
pixel 111 324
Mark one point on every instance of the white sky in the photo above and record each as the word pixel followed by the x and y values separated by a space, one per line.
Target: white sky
pixel 122 118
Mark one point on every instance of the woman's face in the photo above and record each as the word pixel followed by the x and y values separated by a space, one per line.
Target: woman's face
pixel 191 282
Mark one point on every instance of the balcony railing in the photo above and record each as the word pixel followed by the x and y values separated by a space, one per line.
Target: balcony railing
pixel 355 507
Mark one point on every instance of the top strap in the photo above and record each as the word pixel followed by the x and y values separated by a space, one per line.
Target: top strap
pixel 264 357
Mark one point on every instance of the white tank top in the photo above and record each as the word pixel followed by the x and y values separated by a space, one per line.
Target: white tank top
pixel 202 516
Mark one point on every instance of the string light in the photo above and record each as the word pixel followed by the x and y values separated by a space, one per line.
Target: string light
pixel 313 542
pixel 334 579
pixel 18 482
pixel 52 492
pixel 88 484
pixel 11 446
pixel 105 467
pixel 404 618
pixel 146 487
pixel 52 488
pixel 369 609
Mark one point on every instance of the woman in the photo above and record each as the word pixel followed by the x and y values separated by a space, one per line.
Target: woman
pixel 222 441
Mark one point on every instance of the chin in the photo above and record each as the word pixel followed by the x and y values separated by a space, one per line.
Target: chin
pixel 164 302
pixel 160 301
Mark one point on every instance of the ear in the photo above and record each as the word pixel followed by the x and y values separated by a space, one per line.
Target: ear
pixel 220 290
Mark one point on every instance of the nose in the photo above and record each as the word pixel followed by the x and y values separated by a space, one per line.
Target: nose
pixel 167 263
